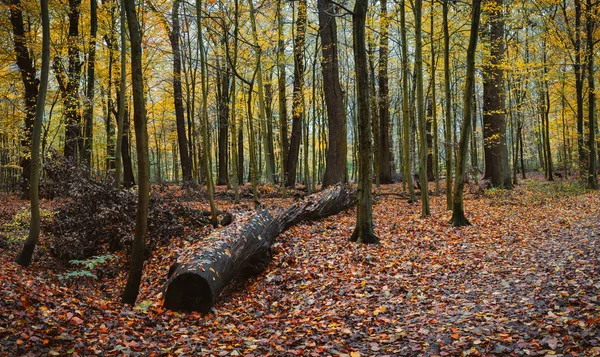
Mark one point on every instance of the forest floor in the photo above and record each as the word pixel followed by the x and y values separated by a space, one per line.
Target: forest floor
pixel 524 279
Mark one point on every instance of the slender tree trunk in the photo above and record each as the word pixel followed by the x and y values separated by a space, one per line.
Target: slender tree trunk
pixel 363 232
pixel 436 150
pixel 223 100
pixel 335 167
pixel 592 181
pixel 425 211
pixel 210 188
pixel 88 113
pixel 298 100
pixel 579 75
pixel 385 166
pixel 408 177
pixel 474 159
pixel 141 133
pixel 448 122
pixel 546 113
pixel 267 147
pixel 184 154
pixel 458 212
pixel 122 152
pixel 523 174
pixel 110 129
pixel 233 100
pixel 281 84
pixel 374 109
pixel 429 138
pixel 26 255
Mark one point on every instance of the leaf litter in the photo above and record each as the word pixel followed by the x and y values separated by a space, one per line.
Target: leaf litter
pixel 522 281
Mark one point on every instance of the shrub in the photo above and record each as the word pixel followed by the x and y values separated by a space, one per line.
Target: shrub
pixel 100 218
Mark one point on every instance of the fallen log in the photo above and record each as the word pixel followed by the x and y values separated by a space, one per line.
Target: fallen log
pixel 241 250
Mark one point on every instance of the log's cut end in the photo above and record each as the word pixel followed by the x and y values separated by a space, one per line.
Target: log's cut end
pixel 189 292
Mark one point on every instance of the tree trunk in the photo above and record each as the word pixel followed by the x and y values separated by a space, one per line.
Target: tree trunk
pixel 298 99
pixel 26 255
pixel 385 166
pixel 494 127
pixel 423 149
pixel 69 85
pixel 458 212
pixel 184 154
pixel 592 181
pixel 122 157
pixel 408 177
pixel 241 250
pixel 223 98
pixel 363 231
pixel 110 129
pixel 436 150
pixel 376 147
pixel 210 188
pixel 281 84
pixel 546 113
pixel 128 178
pixel 30 81
pixel 448 122
pixel 141 133
pixel 579 75
pixel 429 129
pixel 88 113
pixel 267 139
pixel 335 167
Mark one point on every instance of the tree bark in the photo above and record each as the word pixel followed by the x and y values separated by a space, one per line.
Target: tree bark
pixel 385 154
pixel 458 212
pixel 223 98
pixel 26 255
pixel 141 133
pixel 298 98
pixel 423 149
pixel 494 118
pixel 30 81
pixel 448 111
pixel 210 186
pixel 88 113
pixel 429 130
pixel 68 81
pixel 184 153
pixel 408 177
pixel 335 167
pixel 241 250
pixel 281 85
pixel 122 157
pixel 363 231
pixel 592 181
